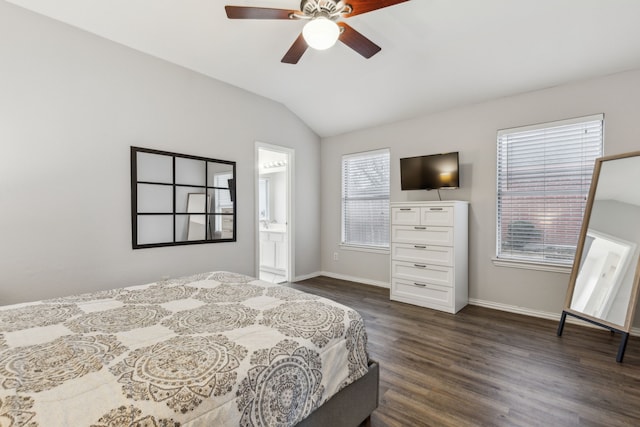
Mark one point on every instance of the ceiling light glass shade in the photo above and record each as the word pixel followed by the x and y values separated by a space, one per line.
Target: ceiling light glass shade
pixel 321 33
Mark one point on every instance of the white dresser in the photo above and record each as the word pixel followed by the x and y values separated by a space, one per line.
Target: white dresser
pixel 429 254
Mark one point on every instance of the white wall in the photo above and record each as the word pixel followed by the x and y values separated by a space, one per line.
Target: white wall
pixel 71 105
pixel 472 131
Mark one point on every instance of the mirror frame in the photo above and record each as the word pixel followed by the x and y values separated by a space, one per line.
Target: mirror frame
pixel 171 182
pixel 567 310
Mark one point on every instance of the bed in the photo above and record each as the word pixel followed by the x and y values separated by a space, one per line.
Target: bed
pixel 214 349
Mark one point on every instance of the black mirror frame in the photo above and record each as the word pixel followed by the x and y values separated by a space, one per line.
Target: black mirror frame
pixel 135 214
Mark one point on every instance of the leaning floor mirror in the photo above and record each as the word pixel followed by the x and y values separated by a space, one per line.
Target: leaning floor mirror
pixel 603 286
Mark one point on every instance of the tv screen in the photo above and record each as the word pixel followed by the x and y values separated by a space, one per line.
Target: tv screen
pixel 429 172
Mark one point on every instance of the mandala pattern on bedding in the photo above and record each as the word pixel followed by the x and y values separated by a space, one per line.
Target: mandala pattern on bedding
pixel 289 294
pixel 283 386
pixel 119 319
pixel 44 366
pixel 312 320
pixel 211 318
pixel 356 338
pixel 185 280
pixel 130 416
pixel 181 371
pixel 90 296
pixel 17 409
pixel 228 277
pixel 32 316
pixel 156 294
pixel 229 293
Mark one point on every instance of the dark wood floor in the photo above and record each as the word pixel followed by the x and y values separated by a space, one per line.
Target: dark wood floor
pixel 483 367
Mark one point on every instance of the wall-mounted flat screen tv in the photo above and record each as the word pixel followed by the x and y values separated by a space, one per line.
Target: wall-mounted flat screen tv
pixel 430 172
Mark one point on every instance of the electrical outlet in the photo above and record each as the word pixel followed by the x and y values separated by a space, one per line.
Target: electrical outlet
pixel 335 256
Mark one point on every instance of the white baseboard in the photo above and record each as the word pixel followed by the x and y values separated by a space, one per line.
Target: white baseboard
pixel 515 309
pixel 307 276
pixel 536 313
pixel 472 301
pixel 356 279
pixel 343 277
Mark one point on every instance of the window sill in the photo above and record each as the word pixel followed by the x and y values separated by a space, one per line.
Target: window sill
pixel 370 249
pixel 529 265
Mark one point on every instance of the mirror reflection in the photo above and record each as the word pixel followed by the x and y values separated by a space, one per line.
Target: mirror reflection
pixel 605 279
pixel 197 224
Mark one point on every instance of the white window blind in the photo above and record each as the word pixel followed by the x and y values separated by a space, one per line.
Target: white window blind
pixel 365 199
pixel 543 178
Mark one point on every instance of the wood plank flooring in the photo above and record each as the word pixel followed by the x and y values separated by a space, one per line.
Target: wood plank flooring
pixel 484 367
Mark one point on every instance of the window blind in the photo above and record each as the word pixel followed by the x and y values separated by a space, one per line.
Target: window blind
pixel 365 199
pixel 543 178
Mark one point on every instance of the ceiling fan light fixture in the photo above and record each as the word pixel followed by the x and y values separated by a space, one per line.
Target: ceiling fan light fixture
pixel 321 33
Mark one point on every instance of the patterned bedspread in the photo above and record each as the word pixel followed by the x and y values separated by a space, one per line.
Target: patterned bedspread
pixel 215 349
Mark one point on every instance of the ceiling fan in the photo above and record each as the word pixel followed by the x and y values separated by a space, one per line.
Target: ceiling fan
pixel 323 28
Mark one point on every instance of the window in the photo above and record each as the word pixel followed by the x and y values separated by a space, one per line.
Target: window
pixel 544 174
pixel 365 199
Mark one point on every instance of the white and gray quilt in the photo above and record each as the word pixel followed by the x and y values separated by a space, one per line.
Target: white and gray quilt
pixel 215 349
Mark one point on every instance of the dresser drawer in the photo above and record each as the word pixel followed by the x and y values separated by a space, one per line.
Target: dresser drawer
pixel 425 254
pixel 420 234
pixel 423 273
pixel 426 294
pixel 405 216
pixel 437 215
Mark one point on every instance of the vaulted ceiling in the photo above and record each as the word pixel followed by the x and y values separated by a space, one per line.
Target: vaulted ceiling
pixel 436 54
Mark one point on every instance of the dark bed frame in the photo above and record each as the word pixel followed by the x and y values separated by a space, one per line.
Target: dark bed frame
pixel 350 407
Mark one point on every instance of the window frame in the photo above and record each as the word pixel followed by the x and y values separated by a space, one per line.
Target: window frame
pixel 504 259
pixel 350 245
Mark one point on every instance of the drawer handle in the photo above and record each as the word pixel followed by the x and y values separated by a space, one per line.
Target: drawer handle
pixel 422 285
pixel 419 247
pixel 435 209
pixel 420 228
pixel 405 209
pixel 420 265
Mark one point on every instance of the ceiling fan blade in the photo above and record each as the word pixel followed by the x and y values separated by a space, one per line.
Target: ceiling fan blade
pixel 357 41
pixel 364 6
pixel 242 12
pixel 295 52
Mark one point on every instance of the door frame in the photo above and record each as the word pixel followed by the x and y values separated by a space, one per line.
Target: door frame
pixel 290 226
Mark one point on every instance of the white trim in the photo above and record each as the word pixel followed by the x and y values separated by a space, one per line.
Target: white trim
pixel 516 309
pixel 372 249
pixel 557 123
pixel 356 279
pixel 529 265
pixel 307 276
pixel 290 170
pixel 537 313
pixel 472 301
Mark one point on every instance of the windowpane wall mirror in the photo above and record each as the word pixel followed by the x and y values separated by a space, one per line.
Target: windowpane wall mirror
pixel 603 286
pixel 177 199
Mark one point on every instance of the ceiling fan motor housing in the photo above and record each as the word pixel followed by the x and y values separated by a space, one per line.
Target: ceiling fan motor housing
pixel 331 9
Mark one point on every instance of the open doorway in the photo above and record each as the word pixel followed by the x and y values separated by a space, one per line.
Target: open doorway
pixel 274 213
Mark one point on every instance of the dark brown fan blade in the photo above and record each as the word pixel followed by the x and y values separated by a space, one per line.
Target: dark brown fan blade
pixel 357 41
pixel 242 12
pixel 364 6
pixel 295 52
